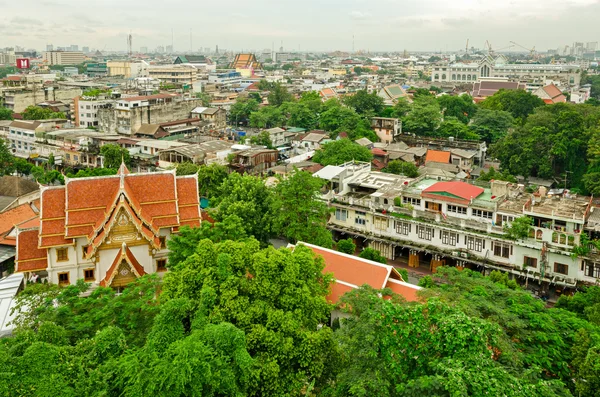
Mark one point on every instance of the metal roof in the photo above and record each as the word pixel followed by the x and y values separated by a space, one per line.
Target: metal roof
pixel 9 286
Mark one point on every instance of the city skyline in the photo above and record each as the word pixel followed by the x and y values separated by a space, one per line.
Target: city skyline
pixel 382 25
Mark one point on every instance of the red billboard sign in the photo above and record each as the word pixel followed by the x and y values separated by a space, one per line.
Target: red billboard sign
pixel 22 63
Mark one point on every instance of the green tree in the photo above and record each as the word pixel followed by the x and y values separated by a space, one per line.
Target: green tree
pixel 401 108
pixel 250 200
pixel 262 139
pixel 373 255
pixel 6 114
pixel 276 297
pixel 461 107
pixel 38 113
pixel 519 103
pixel 87 172
pixel 114 155
pixel 519 228
pixel 186 168
pixel 452 127
pixel 346 246
pixel 242 109
pixel 492 175
pixel 7 161
pixel 299 213
pixel 424 117
pixel 205 98
pixel 278 95
pixel 399 167
pixel 266 117
pixel 364 103
pixel 341 151
pixel 210 178
pixel 491 125
pixel 300 114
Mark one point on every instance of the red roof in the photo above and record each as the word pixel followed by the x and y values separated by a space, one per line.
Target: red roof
pixel 459 189
pixel 437 156
pixel 123 254
pixel 29 256
pixel 378 152
pixel 351 272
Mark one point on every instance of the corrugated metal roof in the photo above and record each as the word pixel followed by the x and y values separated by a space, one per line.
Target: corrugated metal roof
pixel 9 286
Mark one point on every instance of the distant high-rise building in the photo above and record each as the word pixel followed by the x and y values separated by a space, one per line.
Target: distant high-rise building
pixel 160 49
pixel 74 47
pixel 144 50
pixel 85 49
pixel 49 47
pixel 591 46
pixel 169 49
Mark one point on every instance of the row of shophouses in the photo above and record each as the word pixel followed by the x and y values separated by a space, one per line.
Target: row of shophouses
pixel 430 222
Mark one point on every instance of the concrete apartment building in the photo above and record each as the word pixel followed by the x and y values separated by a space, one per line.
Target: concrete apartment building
pixel 126 115
pixel 18 99
pixel 500 68
pixel 127 69
pixel 63 57
pixel 185 75
pixel 433 222
pixel 85 110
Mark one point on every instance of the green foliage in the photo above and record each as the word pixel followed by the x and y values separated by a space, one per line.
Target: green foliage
pixel 266 117
pixel 5 113
pixel 248 198
pixel 242 109
pixel 186 168
pixel 38 113
pixel 263 139
pixel 519 228
pixel 399 167
pixel 491 125
pixel 460 107
pixel 340 151
pixel 210 178
pixel 519 103
pixel 424 116
pixel 205 98
pixel 364 103
pixel 299 213
pixel 493 175
pixel 373 255
pixel 7 161
pixel 95 92
pixel 346 246
pixel 85 173
pixel 114 155
pixel 278 94
pixel 276 297
pixel 452 127
pixel 404 274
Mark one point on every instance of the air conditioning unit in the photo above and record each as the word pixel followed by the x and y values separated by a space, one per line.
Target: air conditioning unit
pixel 464 255
pixel 455 253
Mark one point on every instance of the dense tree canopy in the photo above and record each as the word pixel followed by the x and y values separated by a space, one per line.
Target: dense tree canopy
pixel 5 113
pixel 340 151
pixel 242 109
pixel 399 167
pixel 519 103
pixel 114 155
pixel 38 113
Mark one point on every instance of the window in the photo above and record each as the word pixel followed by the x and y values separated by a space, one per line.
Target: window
pixel 457 210
pixel 529 262
pixel 561 268
pixel 412 201
pixel 84 250
pixel 381 223
pixel 449 238
pixel 402 228
pixel 425 232
pixel 341 215
pixel 501 249
pixel 163 242
pixel 482 214
pixel 88 275
pixel 62 254
pixel 63 278
pixel 161 265
pixel 475 244
pixel 68 156
pixel 592 270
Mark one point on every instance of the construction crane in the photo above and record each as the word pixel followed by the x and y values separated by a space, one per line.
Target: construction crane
pixel 489 47
pixel 531 50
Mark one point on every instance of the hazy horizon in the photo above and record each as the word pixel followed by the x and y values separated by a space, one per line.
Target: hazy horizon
pixel 378 25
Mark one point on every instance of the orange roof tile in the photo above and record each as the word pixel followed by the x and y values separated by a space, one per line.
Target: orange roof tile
pixel 437 156
pixel 29 257
pixel 52 215
pixel 351 272
pixel 12 217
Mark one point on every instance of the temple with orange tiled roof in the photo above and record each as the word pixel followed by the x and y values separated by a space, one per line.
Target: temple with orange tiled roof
pixel 107 230
pixel 245 61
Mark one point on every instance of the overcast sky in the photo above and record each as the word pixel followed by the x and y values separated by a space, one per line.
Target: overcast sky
pixel 377 25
